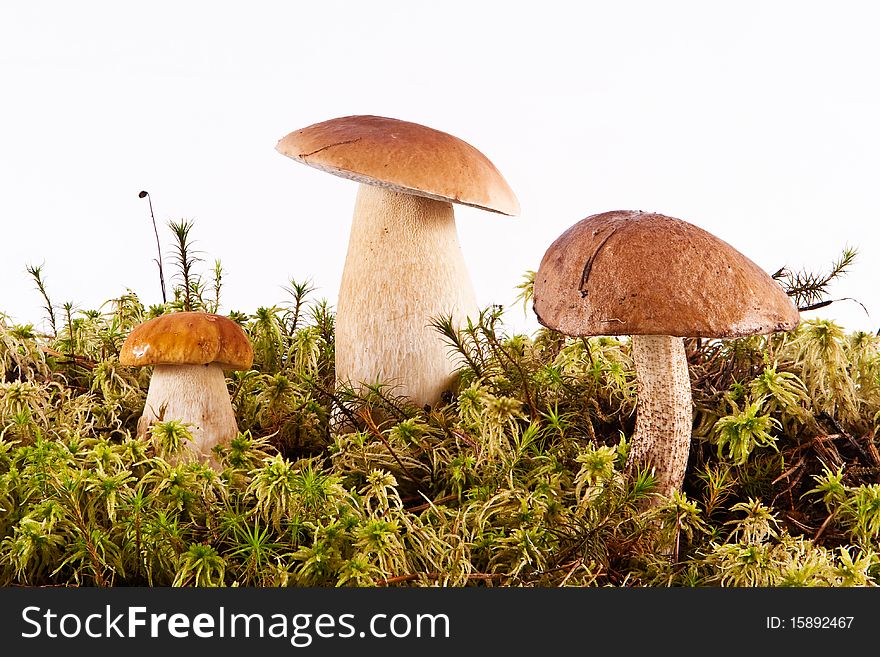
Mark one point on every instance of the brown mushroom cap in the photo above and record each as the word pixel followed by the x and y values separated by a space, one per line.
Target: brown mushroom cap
pixel 639 273
pixel 404 157
pixel 188 338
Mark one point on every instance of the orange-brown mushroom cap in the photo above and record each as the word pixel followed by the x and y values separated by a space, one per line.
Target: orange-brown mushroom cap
pixel 638 273
pixel 188 338
pixel 404 157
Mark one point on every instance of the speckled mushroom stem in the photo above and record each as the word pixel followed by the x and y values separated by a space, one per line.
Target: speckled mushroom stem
pixel 404 267
pixel 196 395
pixel 664 416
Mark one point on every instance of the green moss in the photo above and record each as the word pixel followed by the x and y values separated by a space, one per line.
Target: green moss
pixel 515 479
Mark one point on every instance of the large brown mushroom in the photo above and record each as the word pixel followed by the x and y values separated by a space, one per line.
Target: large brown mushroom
pixel 657 279
pixel 404 265
pixel 189 352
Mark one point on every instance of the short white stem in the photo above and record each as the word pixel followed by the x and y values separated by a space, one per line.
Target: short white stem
pixel 664 415
pixel 404 267
pixel 196 395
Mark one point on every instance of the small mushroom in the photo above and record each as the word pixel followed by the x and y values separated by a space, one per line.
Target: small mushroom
pixel 404 265
pixel 189 352
pixel 657 279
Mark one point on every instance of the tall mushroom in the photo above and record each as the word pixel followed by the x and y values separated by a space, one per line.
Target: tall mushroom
pixel 404 265
pixel 657 279
pixel 189 352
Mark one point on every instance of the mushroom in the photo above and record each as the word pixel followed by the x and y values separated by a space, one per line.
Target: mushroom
pixel 657 279
pixel 404 265
pixel 189 352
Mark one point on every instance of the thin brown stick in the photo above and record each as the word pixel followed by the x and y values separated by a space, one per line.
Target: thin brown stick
pixel 872 448
pixel 788 472
pixel 77 360
pixel 365 415
pixel 434 576
pixel 428 505
pixel 823 526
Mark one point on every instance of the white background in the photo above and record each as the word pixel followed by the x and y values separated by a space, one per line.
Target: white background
pixel 757 121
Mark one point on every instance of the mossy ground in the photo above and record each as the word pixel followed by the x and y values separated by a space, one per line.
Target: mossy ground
pixel 515 479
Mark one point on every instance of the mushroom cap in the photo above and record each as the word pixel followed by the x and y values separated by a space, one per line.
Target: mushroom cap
pixel 639 273
pixel 188 338
pixel 404 157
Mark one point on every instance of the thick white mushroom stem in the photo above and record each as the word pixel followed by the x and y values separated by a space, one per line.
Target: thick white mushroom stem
pixel 404 267
pixel 196 395
pixel 664 414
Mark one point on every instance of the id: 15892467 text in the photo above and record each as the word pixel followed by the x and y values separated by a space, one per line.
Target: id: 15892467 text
pixel 809 622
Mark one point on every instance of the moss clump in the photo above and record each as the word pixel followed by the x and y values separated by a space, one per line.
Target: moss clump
pixel 515 479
